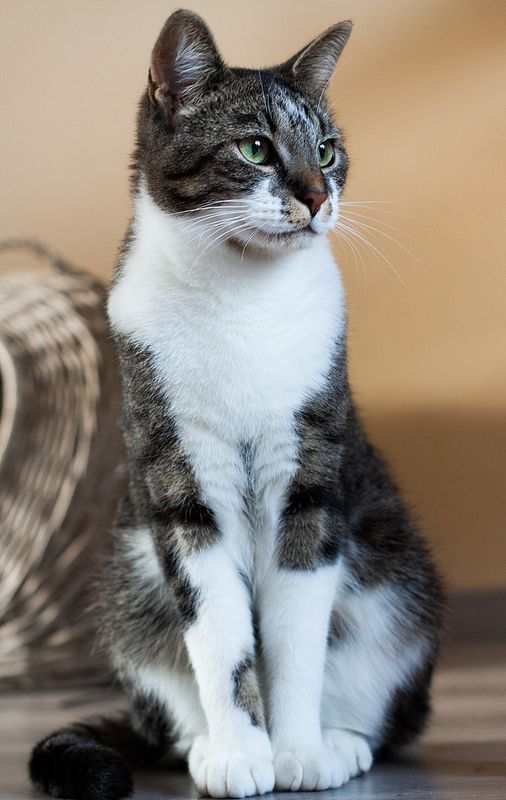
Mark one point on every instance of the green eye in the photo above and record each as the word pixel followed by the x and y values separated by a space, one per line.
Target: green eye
pixel 256 149
pixel 326 153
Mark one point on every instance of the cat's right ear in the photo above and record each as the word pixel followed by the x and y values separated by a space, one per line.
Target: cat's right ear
pixel 312 67
pixel 183 62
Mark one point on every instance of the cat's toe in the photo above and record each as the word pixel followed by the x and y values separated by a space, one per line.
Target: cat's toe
pixel 249 775
pixel 236 774
pixel 310 769
pixel 289 771
pixel 352 748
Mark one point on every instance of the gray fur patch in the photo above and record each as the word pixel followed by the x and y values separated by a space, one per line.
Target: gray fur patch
pixel 338 629
pixel 246 691
pixel 138 613
pixel 172 499
pixel 312 527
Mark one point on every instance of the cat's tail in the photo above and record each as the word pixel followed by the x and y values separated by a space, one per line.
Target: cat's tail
pixel 91 760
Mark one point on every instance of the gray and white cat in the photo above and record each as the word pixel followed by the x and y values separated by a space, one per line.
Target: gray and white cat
pixel 269 606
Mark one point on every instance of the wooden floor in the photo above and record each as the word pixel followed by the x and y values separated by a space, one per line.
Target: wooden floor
pixel 462 757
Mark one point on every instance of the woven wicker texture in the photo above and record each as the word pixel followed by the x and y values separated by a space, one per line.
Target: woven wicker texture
pixel 60 451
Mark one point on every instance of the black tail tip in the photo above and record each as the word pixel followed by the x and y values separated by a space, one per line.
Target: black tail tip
pixel 65 764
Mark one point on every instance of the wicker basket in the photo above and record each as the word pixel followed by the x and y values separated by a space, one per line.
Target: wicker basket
pixel 60 451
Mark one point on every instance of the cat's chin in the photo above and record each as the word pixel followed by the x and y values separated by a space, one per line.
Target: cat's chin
pixel 274 242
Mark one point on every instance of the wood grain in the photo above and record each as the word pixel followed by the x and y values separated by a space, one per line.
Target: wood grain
pixel 463 756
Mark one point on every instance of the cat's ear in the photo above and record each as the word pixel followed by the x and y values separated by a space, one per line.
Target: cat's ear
pixel 312 67
pixel 183 62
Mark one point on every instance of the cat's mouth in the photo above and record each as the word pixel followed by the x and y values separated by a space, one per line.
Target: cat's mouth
pixel 276 240
pixel 267 239
pixel 295 232
pixel 294 236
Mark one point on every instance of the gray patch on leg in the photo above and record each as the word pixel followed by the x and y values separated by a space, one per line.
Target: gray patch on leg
pixel 339 629
pixel 246 692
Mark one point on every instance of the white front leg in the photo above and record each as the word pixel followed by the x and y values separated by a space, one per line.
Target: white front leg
pixel 234 758
pixel 294 619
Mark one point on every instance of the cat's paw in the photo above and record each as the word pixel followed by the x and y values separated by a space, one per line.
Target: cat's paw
pixel 351 748
pixel 308 769
pixel 237 773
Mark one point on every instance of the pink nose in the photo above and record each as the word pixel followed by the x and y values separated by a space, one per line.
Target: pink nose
pixel 313 200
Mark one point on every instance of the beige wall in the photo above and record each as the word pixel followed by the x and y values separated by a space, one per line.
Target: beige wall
pixel 419 94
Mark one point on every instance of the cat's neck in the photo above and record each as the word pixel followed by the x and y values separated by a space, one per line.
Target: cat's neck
pixel 164 271
pixel 187 252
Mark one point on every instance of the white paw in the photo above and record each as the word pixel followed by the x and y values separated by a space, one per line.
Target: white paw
pixel 237 773
pixel 308 769
pixel 351 748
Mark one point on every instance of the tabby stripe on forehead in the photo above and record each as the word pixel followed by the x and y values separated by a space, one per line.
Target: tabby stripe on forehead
pixel 252 119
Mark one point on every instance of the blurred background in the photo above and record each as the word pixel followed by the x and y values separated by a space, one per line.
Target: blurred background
pixel 419 92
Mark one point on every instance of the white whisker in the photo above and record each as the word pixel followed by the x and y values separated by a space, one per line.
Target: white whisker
pixel 255 230
pixel 215 204
pixel 213 228
pixel 370 205
pixel 358 214
pixel 356 253
pixel 387 236
pixel 226 234
pixel 351 230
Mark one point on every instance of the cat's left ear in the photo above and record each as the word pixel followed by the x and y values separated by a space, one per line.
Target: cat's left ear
pixel 312 67
pixel 184 62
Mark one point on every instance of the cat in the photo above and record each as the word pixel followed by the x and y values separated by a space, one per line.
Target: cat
pixel 269 605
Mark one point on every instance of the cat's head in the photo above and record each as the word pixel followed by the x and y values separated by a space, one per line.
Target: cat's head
pixel 254 155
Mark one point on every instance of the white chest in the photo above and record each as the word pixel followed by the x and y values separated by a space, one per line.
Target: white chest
pixel 239 345
pixel 238 366
pixel 237 342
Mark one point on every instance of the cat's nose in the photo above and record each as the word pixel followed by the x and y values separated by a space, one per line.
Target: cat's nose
pixel 313 199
